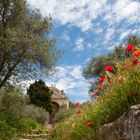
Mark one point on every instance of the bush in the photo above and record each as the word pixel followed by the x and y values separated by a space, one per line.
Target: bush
pixel 12 103
pixel 64 113
pixel 6 131
pixel 16 117
pixel 26 125
pixel 37 113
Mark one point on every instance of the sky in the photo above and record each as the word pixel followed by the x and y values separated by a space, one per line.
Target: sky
pixel 86 29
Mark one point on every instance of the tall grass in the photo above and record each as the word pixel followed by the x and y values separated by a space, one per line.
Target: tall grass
pixel 113 102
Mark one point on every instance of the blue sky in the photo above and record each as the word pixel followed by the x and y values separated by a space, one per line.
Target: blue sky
pixel 86 28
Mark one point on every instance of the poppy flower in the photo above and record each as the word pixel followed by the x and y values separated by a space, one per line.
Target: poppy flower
pixel 76 104
pixel 94 94
pixel 99 87
pixel 78 112
pixel 88 124
pixel 135 61
pixel 136 53
pixel 130 47
pixel 101 80
pixel 109 68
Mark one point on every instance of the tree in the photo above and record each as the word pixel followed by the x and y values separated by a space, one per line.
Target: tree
pixel 40 95
pixel 97 65
pixel 26 48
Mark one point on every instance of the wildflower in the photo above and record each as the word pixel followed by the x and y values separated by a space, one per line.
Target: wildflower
pixel 130 47
pixel 78 112
pixel 136 53
pixel 99 87
pixel 101 80
pixel 76 104
pixel 94 94
pixel 109 68
pixel 135 61
pixel 88 124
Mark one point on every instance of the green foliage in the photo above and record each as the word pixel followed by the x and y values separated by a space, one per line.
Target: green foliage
pixel 108 107
pixel 12 102
pixel 16 116
pixel 37 113
pixel 40 95
pixel 26 125
pixel 12 128
pixel 6 131
pixel 97 65
pixel 25 46
pixel 64 113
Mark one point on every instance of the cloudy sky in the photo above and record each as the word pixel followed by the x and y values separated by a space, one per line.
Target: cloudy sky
pixel 86 28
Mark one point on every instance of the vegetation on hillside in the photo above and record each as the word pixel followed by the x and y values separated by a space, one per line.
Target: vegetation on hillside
pixel 95 68
pixel 119 89
pixel 17 117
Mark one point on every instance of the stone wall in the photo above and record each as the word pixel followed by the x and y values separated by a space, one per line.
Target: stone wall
pixel 127 127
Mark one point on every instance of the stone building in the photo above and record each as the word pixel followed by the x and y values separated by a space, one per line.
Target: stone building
pixel 59 98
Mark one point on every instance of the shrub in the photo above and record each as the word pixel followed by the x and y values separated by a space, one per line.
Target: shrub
pixel 6 131
pixel 37 113
pixel 12 103
pixel 26 125
pixel 64 113
pixel 16 117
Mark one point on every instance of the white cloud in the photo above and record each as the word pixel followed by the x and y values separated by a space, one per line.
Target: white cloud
pixel 89 46
pixel 83 13
pixel 125 34
pixel 87 60
pixel 126 9
pixel 79 13
pixel 109 35
pixel 65 37
pixel 79 44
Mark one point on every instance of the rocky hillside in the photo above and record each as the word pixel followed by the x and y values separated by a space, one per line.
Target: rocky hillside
pixel 127 127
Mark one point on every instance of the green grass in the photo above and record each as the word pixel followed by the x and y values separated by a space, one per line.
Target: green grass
pixel 113 102
pixel 13 128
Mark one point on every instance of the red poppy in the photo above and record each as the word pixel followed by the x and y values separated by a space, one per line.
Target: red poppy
pixel 94 94
pixel 130 47
pixel 136 53
pixel 99 87
pixel 109 68
pixel 76 104
pixel 135 61
pixel 88 124
pixel 101 80
pixel 78 112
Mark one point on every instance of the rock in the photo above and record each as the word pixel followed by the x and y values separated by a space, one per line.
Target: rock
pixel 127 127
